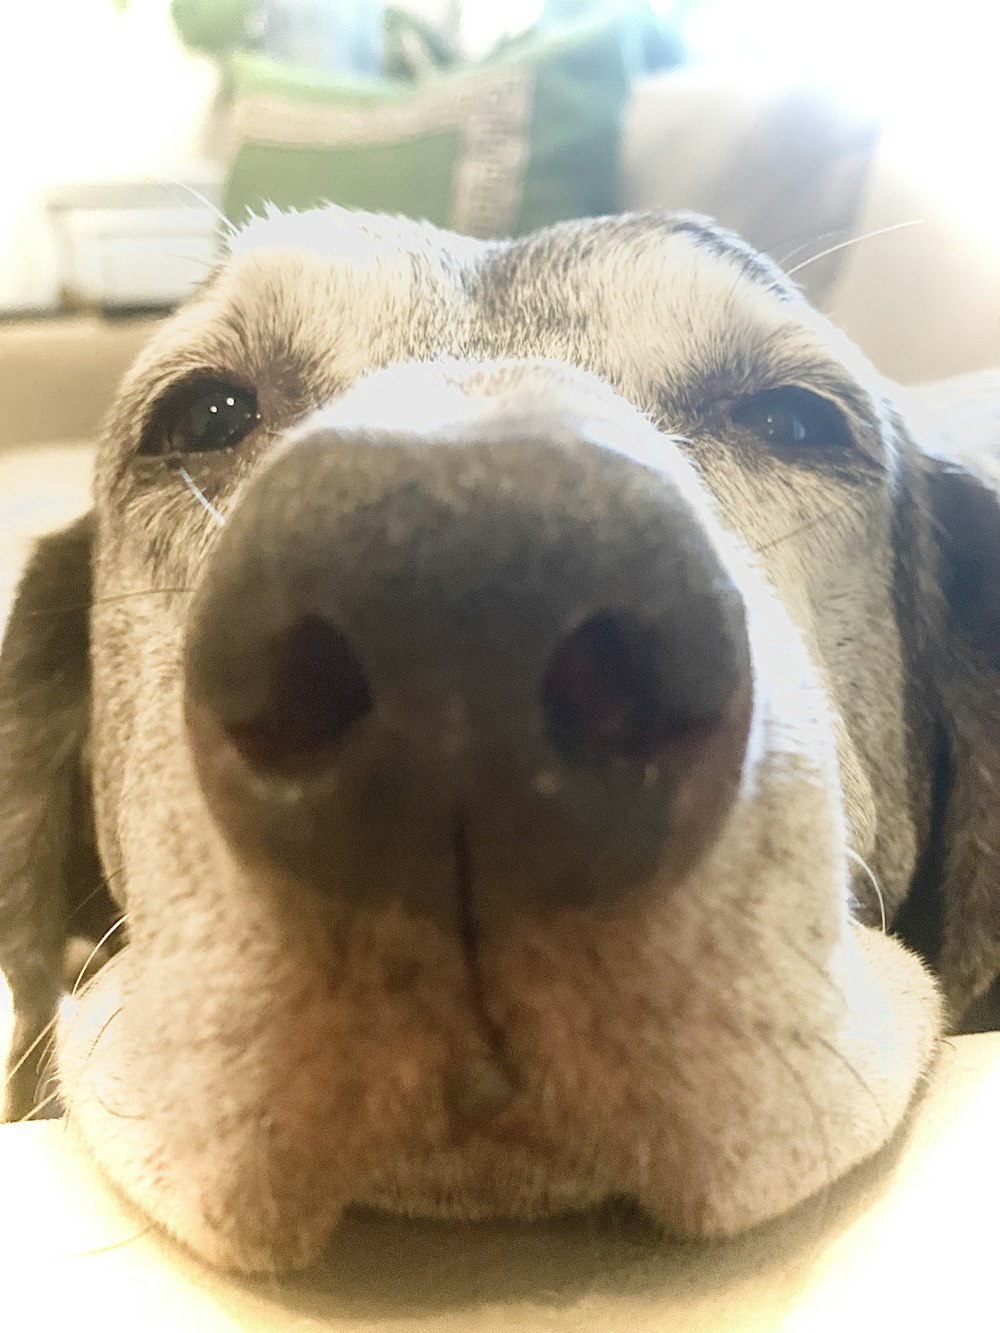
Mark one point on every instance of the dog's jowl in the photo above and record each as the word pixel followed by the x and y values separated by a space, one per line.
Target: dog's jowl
pixel 532 697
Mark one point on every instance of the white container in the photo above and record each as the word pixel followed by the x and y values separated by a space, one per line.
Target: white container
pixel 125 245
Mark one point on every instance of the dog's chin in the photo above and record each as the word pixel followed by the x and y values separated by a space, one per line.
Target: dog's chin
pixel 711 1125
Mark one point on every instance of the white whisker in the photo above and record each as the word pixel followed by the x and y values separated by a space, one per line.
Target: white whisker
pixel 93 953
pixel 873 881
pixel 855 240
pixel 190 259
pixel 41 1106
pixel 49 1027
pixel 200 495
pixel 197 195
pixel 804 245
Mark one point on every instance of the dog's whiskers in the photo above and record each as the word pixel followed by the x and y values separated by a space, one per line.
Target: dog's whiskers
pixel 111 1110
pixel 165 180
pixel 817 520
pixel 73 1019
pixel 101 1030
pixel 811 239
pixel 200 495
pixel 45 1061
pixel 873 880
pixel 765 1033
pixel 116 1245
pixel 26 1055
pixel 856 1074
pixel 189 259
pixel 96 949
pixel 855 240
pixel 821 972
pixel 41 1106
pixel 94 892
pixel 46 1052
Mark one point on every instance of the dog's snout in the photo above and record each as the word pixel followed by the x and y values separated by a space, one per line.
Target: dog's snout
pixel 525 631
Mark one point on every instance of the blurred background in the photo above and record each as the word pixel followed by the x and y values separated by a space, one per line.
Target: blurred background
pixel 131 128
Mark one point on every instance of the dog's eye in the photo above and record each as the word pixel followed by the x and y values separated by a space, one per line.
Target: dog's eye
pixel 791 417
pixel 201 418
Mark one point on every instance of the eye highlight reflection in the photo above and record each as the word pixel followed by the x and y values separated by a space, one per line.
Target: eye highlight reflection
pixel 202 417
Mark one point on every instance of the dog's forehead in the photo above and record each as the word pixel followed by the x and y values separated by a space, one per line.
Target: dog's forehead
pixel 647 298
pixel 333 283
pixel 383 289
pixel 670 260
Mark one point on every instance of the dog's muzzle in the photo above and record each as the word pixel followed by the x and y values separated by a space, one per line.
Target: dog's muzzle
pixel 502 656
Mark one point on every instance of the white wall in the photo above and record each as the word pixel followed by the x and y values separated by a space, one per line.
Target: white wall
pixel 87 93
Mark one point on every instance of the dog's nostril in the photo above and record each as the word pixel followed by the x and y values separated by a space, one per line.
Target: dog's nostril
pixel 317 690
pixel 610 692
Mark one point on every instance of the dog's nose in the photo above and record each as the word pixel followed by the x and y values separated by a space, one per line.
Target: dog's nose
pixel 510 661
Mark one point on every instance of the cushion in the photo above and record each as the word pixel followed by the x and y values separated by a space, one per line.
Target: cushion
pixel 525 138
pixel 784 164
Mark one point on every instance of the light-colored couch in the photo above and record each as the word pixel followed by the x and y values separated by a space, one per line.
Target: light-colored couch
pixel 797 171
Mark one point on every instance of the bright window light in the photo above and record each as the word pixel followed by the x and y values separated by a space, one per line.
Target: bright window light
pixel 929 74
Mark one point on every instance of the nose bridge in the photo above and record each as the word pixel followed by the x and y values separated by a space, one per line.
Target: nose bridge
pixel 524 488
pixel 460 557
pixel 494 611
pixel 467 401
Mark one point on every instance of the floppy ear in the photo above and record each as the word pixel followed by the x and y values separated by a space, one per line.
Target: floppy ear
pixel 957 481
pixel 48 867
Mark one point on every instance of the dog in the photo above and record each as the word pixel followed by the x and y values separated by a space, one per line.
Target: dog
pixel 528 715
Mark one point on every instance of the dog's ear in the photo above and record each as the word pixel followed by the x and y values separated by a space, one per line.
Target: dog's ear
pixel 48 865
pixel 954 489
